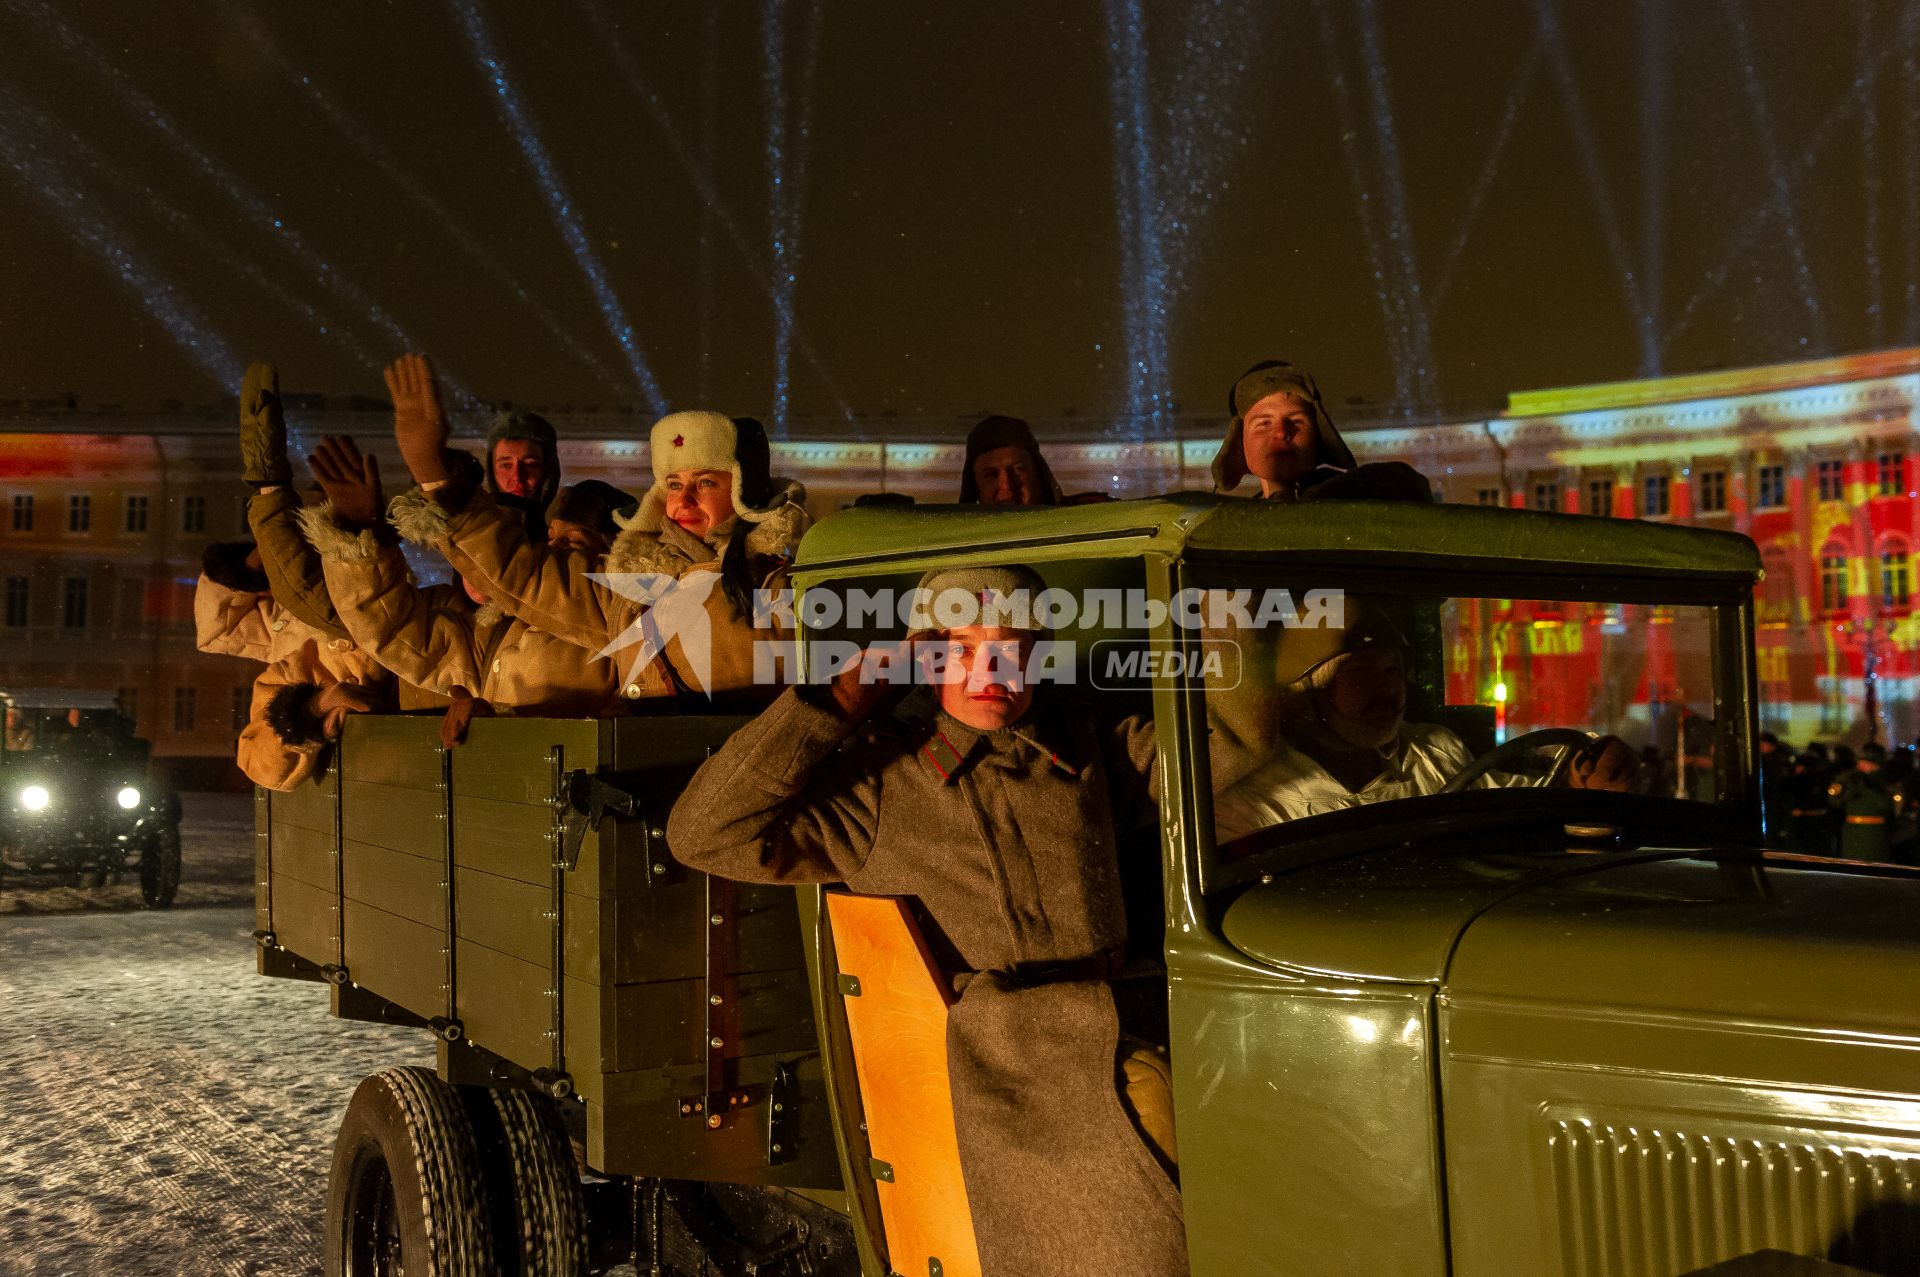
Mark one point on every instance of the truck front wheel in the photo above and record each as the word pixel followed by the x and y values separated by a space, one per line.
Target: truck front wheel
pixel 405 1194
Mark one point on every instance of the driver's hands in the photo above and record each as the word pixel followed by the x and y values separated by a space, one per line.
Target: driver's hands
pixel 1606 763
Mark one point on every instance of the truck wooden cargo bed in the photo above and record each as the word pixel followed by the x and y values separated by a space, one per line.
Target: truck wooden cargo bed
pixel 470 891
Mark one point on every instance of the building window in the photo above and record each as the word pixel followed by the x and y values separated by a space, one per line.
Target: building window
pixel 73 603
pixel 1546 495
pixel 183 709
pixel 19 601
pixel 23 512
pixel 79 512
pixel 1713 491
pixel 1487 496
pixel 242 702
pixel 1896 577
pixel 1833 581
pixel 136 514
pixel 1831 478
pixel 130 704
pixel 1890 470
pixel 1656 496
pixel 1770 488
pixel 1599 496
pixel 193 514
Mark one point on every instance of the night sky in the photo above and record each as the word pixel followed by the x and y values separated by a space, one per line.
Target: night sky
pixel 1426 203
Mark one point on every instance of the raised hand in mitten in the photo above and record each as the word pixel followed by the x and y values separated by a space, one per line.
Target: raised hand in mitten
pixel 419 421
pixel 263 430
pixel 350 480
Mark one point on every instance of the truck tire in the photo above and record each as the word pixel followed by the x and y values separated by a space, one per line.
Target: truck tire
pixel 538 1207
pixel 160 868
pixel 405 1194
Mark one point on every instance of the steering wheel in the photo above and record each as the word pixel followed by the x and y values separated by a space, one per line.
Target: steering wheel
pixel 1570 738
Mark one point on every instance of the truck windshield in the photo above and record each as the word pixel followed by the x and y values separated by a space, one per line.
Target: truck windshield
pixel 1323 700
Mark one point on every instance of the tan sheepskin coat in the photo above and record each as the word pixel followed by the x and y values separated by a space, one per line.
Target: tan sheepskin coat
pixel 551 589
pixel 434 638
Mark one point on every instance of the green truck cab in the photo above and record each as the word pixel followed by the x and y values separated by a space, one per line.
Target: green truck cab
pixel 1508 1027
pixel 79 800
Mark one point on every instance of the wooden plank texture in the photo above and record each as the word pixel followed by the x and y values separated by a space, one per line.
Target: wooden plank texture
pixel 506 915
pixel 392 749
pixel 393 816
pixel 898 1026
pixel 397 958
pixel 262 858
pixel 308 805
pixel 304 920
pixel 304 854
pixel 512 840
pixel 505 1005
pixel 409 886
pixel 507 758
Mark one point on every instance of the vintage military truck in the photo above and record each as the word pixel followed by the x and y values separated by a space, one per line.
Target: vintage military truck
pixel 1507 1027
pixel 79 801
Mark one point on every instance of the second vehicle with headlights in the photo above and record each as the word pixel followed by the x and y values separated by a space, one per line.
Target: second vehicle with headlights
pixel 78 802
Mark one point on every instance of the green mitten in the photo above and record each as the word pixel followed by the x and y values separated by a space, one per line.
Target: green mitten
pixel 263 430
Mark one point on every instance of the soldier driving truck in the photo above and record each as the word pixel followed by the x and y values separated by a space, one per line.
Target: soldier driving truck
pixel 843 988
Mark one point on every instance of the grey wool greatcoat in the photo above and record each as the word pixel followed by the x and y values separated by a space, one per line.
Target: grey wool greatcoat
pixel 1006 841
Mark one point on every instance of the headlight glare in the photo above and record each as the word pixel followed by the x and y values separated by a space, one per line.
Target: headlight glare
pixel 35 798
pixel 129 797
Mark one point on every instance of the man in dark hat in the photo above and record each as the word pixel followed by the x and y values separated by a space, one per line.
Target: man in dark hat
pixel 523 465
pixel 1004 466
pixel 1281 434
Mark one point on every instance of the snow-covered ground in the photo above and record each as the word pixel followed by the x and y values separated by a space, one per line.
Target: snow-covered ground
pixel 165 1111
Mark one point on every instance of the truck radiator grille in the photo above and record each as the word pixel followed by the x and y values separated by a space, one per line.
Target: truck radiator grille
pixel 1635 1201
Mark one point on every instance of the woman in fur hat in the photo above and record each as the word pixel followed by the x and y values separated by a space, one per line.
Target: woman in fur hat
pixel 714 528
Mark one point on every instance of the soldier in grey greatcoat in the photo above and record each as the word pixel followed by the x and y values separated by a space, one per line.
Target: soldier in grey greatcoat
pixel 998 819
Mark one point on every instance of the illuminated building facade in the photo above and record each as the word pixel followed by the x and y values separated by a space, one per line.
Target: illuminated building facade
pixel 1814 461
pixel 103 515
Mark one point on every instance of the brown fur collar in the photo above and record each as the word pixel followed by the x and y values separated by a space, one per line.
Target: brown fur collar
pixel 326 535
pixel 775 536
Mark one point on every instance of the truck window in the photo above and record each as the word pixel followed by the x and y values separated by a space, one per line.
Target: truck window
pixel 1328 700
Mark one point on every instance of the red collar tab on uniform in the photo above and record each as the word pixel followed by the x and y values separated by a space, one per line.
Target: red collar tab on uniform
pixel 946 759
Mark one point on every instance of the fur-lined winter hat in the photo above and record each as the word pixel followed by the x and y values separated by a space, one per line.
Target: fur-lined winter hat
pixel 536 429
pixel 1007 596
pixel 709 441
pixel 1271 377
pixel 993 433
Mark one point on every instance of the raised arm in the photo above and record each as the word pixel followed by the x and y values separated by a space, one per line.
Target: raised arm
pixel 291 565
pixel 545 586
pixel 388 617
pixel 779 803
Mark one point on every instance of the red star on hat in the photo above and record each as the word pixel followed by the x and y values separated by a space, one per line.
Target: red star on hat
pixel 679 440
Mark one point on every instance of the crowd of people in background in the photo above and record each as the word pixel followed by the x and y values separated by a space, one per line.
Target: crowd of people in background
pixel 1839 801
